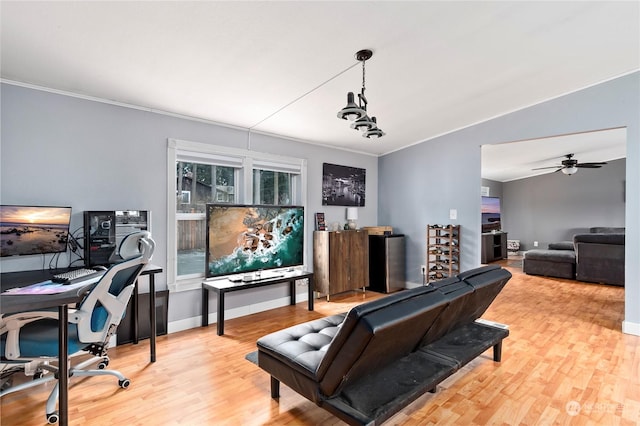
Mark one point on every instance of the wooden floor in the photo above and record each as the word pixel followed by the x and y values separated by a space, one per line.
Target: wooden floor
pixel 565 362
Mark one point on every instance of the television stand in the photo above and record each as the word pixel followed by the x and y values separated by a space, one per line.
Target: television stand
pixel 224 286
pixel 247 278
pixel 494 247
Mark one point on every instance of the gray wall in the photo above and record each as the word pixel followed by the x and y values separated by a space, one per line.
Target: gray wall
pixel 90 155
pixel 495 187
pixel 418 185
pixel 63 150
pixel 554 207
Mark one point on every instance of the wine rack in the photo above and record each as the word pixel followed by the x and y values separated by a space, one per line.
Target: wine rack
pixel 443 252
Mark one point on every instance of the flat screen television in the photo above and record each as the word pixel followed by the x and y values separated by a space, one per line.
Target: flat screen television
pixel 27 230
pixel 248 238
pixel 490 214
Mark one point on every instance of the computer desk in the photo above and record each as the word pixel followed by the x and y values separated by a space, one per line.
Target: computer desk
pixel 150 270
pixel 11 304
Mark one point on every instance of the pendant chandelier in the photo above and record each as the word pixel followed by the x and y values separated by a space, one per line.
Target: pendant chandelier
pixel 358 112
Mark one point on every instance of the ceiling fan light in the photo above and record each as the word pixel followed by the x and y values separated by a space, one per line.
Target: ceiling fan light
pixel 569 170
pixel 351 111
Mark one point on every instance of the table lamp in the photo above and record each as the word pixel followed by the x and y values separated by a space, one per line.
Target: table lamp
pixel 352 216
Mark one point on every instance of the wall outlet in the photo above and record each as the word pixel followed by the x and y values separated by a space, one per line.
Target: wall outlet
pixel 423 269
pixel 453 214
pixel 535 244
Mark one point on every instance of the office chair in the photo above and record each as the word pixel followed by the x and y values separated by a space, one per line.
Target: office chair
pixel 31 338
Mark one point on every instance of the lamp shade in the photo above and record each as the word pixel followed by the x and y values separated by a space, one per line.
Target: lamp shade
pixel 363 123
pixel 569 170
pixel 351 111
pixel 373 132
pixel 352 213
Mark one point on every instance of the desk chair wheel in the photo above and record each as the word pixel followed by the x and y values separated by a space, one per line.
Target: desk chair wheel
pixel 103 364
pixel 124 383
pixel 52 418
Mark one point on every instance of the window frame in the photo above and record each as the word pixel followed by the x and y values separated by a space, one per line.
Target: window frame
pixel 246 161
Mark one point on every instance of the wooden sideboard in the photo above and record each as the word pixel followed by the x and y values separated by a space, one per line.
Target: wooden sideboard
pixel 340 261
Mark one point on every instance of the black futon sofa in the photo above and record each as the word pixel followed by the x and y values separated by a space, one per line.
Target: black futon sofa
pixel 368 364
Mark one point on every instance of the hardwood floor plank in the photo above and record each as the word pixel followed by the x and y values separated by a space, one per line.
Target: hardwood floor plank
pixel 565 362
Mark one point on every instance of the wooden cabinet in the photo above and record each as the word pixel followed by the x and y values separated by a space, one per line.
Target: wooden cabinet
pixel 340 261
pixel 443 251
pixel 494 247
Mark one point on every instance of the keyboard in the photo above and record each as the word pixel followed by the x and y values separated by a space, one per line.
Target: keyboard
pixel 76 275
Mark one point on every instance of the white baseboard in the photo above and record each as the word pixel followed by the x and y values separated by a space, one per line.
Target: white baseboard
pixel 631 328
pixel 409 285
pixel 241 311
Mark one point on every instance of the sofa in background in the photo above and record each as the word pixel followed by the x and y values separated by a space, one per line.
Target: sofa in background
pixel 367 364
pixel 600 258
pixel 550 263
pixel 597 256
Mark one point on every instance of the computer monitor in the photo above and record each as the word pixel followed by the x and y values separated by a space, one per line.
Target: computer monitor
pixel 29 230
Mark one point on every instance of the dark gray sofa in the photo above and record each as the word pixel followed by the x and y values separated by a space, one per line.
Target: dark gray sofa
pixel 597 256
pixel 366 365
pixel 600 258
pixel 558 263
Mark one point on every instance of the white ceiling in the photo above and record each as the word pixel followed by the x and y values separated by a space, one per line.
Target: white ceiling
pixel 270 66
pixel 516 160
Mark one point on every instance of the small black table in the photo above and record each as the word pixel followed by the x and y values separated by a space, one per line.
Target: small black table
pixel 223 286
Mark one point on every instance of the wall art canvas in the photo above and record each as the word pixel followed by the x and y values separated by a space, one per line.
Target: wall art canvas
pixel 343 185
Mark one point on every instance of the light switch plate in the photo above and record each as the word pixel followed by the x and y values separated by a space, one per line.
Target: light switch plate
pixel 453 214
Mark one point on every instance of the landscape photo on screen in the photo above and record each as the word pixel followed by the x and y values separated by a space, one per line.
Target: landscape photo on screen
pixel 26 230
pixel 490 214
pixel 244 239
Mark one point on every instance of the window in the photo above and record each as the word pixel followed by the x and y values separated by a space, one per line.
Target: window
pixel 271 187
pixel 213 174
pixel 208 183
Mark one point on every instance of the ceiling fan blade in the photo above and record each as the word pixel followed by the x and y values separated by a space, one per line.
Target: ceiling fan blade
pixel 596 163
pixel 550 167
pixel 588 165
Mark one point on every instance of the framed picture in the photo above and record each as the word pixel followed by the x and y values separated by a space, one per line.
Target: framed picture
pixel 343 185
pixel 320 223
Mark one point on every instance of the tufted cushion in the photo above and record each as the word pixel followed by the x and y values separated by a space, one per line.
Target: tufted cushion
pixel 303 345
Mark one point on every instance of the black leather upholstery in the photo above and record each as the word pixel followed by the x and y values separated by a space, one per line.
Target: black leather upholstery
pixel 366 365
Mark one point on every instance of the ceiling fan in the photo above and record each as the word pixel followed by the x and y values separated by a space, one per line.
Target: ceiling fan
pixel 569 166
